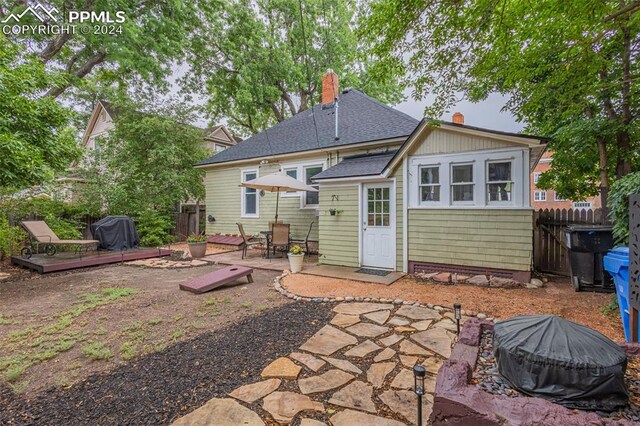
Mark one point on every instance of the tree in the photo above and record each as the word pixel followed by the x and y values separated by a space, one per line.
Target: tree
pixel 260 62
pixel 144 168
pixel 570 70
pixel 151 38
pixel 35 140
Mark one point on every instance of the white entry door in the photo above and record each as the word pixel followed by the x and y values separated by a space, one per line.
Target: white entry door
pixel 378 226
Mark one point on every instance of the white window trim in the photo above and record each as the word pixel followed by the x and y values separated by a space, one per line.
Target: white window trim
pixel 487 182
pixel 303 195
pixel 243 172
pixel 586 204
pixel 520 175
pixel 536 177
pixel 290 194
pixel 540 196
pixel 472 183
pixel 300 167
pixel 420 184
pixel 557 198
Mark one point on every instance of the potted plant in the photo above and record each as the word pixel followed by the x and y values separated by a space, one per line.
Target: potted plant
pixel 334 212
pixel 197 245
pixel 296 257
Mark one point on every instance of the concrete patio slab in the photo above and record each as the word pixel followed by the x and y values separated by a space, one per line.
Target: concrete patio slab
pixel 255 260
pixel 348 273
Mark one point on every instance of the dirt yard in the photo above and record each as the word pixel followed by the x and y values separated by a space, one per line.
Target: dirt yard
pixel 557 298
pixel 57 329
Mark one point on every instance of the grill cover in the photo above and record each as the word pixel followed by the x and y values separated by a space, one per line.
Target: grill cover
pixel 115 233
pixel 559 360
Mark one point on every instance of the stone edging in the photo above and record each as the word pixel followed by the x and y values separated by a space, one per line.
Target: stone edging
pixel 277 284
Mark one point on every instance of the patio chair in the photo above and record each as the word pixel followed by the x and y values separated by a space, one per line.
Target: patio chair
pixel 280 236
pixel 306 239
pixel 271 223
pixel 40 233
pixel 248 241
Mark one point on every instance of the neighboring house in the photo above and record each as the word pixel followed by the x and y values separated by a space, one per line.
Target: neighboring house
pixel 410 196
pixel 548 199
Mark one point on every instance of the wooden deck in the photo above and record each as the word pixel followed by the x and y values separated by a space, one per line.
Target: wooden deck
pixel 70 260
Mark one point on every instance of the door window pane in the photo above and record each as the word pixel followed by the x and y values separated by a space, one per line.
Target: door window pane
pixel 379 205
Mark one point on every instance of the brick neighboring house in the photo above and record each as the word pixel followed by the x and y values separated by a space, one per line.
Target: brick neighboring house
pixel 547 199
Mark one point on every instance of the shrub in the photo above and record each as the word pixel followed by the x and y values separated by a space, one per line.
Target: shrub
pixel 153 228
pixel 618 204
pixel 11 238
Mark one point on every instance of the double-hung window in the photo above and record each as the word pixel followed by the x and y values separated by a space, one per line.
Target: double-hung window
pixel 499 182
pixel 291 172
pixel 559 198
pixel 249 195
pixel 311 199
pixel 540 196
pixel 462 183
pixel 429 184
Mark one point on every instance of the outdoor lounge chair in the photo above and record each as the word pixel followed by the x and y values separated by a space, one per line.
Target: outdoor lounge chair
pixel 247 241
pixel 306 239
pixel 40 233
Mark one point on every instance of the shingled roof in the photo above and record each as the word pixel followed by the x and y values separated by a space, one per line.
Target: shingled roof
pixel 360 119
pixel 358 165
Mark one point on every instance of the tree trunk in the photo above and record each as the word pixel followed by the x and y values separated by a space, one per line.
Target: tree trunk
pixel 198 217
pixel 603 158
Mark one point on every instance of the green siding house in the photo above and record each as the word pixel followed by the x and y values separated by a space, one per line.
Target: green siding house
pixel 394 192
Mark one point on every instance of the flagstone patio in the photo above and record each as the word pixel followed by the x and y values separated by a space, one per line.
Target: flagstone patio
pixel 355 370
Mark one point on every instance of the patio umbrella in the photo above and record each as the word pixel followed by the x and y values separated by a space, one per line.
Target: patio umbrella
pixel 276 182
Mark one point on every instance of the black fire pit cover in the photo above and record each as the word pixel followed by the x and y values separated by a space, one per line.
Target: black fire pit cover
pixel 559 360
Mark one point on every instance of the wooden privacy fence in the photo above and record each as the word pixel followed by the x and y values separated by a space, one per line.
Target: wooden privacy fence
pixel 549 246
pixel 186 224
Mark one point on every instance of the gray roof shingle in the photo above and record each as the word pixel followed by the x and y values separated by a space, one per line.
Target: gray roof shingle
pixel 360 119
pixel 358 165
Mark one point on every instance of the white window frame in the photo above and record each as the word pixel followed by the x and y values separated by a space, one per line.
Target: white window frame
pixel 303 198
pixel 557 198
pixel 473 183
pixel 511 181
pixel 243 173
pixel 540 196
pixel 218 147
pixel 420 184
pixel 292 193
pixel 582 205
pixel 536 177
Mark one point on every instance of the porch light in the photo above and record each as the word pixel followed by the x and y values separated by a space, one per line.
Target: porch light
pixel 419 373
pixel 457 312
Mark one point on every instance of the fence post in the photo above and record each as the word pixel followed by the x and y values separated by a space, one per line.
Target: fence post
pixel 634 265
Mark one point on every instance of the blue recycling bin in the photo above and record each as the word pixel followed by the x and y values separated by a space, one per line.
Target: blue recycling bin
pixel 616 262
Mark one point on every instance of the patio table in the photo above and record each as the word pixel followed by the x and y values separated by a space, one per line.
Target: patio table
pixel 267 234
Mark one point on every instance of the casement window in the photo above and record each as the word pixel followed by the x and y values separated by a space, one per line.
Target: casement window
pixel 499 182
pixel 536 177
pixel 311 199
pixel 540 196
pixel 429 184
pixel 559 198
pixel 291 172
pixel 250 201
pixel 462 185
pixel 582 205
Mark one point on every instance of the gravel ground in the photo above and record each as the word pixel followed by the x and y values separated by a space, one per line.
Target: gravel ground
pixel 158 388
pixel 487 378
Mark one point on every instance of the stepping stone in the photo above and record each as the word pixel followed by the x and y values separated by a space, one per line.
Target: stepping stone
pixel 432 365
pixel 436 340
pixel 310 361
pixel 403 402
pixel 367 330
pixel 403 380
pixel 417 313
pixel 221 412
pixel 345 320
pixel 283 406
pixel 356 395
pixel 330 380
pixel 361 308
pixel 448 325
pixel 379 317
pixel 363 349
pixel 408 360
pixel 312 422
pixel 391 340
pixel 384 355
pixel 255 391
pixel 342 364
pixel 404 329
pixel 328 340
pixel 398 321
pixel 351 418
pixel 422 325
pixel 378 372
pixel 410 348
pixel 282 367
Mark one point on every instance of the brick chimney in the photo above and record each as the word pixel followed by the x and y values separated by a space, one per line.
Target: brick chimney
pixel 458 118
pixel 329 87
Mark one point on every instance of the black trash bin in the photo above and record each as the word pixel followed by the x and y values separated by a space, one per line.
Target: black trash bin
pixel 587 246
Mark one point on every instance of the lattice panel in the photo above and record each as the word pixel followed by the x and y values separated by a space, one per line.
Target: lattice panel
pixel 634 251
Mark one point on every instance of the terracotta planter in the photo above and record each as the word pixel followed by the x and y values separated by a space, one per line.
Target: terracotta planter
pixel 295 262
pixel 198 250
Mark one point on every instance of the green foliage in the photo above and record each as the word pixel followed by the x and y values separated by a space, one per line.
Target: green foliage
pixel 153 228
pixel 97 351
pixel 11 238
pixel 249 61
pixel 35 140
pixel 619 205
pixel 197 238
pixel 611 307
pixel 572 79
pixel 296 250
